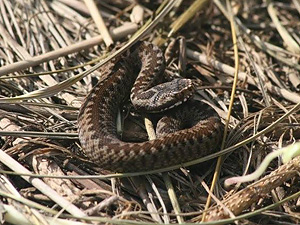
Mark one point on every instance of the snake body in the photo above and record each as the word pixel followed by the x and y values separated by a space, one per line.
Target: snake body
pixel 192 131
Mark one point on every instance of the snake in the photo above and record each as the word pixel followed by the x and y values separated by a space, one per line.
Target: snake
pixel 188 128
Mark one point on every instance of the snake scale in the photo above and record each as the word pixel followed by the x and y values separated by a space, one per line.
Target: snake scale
pixel 188 130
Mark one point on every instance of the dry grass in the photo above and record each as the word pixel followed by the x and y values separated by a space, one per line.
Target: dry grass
pixel 45 49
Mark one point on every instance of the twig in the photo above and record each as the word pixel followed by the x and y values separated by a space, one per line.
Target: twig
pixel 86 44
pixel 245 198
pixel 40 185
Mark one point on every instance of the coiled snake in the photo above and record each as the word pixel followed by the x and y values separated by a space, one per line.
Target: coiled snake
pixel 189 131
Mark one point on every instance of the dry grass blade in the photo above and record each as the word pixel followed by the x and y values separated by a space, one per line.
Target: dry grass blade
pixel 99 22
pixel 172 195
pixel 194 8
pixel 292 45
pixel 234 84
pixel 282 92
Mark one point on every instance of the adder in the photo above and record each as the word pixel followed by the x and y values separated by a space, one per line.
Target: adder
pixel 189 129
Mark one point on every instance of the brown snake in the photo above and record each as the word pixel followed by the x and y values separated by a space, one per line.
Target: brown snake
pixel 192 131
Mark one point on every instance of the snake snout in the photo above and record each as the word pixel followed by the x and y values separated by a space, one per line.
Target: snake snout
pixel 183 89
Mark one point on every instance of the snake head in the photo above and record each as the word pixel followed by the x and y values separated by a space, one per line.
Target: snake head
pixel 164 96
pixel 176 92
